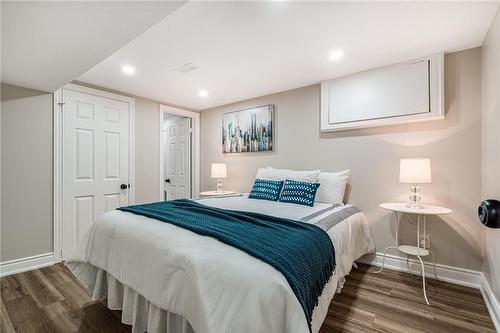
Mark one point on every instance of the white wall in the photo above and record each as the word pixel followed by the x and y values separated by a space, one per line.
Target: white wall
pixel 373 156
pixel 490 153
pixel 26 172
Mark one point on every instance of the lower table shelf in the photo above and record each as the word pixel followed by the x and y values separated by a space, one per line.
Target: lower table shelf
pixel 413 250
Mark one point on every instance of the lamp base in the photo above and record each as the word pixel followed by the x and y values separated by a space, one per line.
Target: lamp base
pixel 415 197
pixel 219 185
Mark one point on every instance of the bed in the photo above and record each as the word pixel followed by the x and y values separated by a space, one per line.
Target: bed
pixel 168 279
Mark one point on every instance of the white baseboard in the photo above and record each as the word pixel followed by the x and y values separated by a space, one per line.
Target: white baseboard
pixel 26 264
pixel 491 303
pixel 456 275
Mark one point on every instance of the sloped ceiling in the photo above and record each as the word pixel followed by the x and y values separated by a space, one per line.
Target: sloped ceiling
pixel 47 44
pixel 240 50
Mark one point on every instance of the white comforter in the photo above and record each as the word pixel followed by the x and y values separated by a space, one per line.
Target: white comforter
pixel 216 287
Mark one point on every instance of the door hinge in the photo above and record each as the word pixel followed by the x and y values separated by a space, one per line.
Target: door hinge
pixel 61 105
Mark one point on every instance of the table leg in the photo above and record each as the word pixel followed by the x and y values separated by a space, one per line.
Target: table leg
pixel 425 232
pixel 391 247
pixel 423 280
pixel 418 235
pixel 383 258
pixel 397 228
pixel 413 276
pixel 433 265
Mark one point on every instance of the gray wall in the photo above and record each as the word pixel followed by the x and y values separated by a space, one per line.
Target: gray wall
pixel 26 168
pixel 26 172
pixel 373 156
pixel 147 150
pixel 490 106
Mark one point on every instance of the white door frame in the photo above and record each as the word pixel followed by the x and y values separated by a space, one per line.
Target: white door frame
pixel 195 147
pixel 58 158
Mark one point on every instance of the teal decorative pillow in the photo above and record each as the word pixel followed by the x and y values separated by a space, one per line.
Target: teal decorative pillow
pixel 301 193
pixel 266 189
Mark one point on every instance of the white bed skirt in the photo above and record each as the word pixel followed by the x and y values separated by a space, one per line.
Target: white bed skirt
pixel 136 310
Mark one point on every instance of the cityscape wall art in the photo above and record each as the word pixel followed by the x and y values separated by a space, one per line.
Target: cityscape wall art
pixel 249 130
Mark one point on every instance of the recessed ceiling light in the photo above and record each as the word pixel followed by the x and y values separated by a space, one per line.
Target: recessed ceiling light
pixel 203 93
pixel 336 55
pixel 129 70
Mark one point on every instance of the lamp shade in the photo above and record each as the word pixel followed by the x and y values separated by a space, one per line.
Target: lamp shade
pixel 219 170
pixel 415 170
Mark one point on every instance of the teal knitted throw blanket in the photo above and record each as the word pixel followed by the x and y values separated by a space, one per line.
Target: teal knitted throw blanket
pixel 302 252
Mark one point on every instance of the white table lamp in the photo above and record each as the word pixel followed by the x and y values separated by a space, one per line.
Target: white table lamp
pixel 219 171
pixel 415 171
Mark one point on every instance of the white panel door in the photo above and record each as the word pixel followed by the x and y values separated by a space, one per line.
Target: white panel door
pixel 95 161
pixel 177 158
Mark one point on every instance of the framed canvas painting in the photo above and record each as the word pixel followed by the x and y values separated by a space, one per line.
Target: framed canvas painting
pixel 249 130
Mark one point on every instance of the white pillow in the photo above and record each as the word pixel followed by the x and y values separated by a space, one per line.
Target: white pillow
pixel 303 176
pixel 332 186
pixel 262 174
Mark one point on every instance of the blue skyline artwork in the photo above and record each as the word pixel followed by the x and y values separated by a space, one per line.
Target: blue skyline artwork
pixel 249 130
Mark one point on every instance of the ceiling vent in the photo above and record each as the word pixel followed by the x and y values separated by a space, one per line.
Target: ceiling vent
pixel 186 68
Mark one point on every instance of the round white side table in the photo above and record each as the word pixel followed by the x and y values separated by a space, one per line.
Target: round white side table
pixel 418 251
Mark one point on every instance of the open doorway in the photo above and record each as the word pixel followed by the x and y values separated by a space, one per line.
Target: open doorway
pixel 179 153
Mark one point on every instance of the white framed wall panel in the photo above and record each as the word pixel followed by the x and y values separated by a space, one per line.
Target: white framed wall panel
pixel 400 93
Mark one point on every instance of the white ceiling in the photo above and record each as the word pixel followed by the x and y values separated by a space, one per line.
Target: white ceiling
pixel 247 49
pixel 47 44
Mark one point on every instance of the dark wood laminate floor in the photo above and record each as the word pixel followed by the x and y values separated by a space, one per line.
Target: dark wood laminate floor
pixel 51 300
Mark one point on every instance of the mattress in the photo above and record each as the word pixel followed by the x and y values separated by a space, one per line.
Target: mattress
pixel 168 279
pixel 275 208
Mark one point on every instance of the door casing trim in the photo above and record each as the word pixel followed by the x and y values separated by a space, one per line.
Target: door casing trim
pixel 58 155
pixel 195 149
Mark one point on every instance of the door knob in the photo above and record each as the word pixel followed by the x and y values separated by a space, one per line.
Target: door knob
pixel 123 186
pixel 167 180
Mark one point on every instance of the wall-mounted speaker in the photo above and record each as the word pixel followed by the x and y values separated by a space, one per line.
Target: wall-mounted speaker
pixel 489 213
